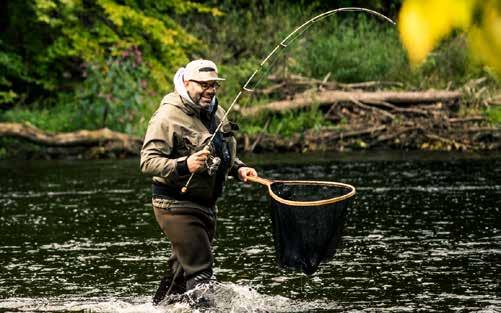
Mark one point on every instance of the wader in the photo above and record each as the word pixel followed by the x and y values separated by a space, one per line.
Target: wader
pixel 190 232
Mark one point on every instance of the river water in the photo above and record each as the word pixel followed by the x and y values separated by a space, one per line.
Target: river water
pixel 423 234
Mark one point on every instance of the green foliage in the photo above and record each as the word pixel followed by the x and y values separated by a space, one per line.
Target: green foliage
pixel 63 63
pixel 297 122
pixel 11 68
pixel 450 65
pixel 73 64
pixel 364 48
pixel 236 76
pixel 287 124
pixel 493 114
pixel 61 117
pixel 116 94
pixel 352 49
pixel 389 8
pixel 15 149
pixel 55 36
pixel 112 28
pixel 246 29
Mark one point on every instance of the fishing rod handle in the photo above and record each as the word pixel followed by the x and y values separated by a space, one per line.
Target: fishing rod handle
pixel 184 189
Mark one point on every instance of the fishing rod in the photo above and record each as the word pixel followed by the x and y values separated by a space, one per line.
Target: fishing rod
pixel 298 32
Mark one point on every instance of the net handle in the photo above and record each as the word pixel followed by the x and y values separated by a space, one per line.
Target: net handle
pixel 259 180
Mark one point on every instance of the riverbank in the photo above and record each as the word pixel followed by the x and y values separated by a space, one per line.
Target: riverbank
pixel 326 116
pixel 344 85
pixel 435 127
pixel 308 115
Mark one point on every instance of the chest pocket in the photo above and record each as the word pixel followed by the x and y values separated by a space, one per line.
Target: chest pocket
pixel 190 142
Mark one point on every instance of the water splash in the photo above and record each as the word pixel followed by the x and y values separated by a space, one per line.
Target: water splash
pixel 226 297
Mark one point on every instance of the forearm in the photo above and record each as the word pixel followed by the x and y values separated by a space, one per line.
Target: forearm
pixel 155 163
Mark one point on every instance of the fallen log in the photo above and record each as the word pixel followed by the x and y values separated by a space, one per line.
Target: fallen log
pixel 329 97
pixel 104 139
pixel 329 136
pixel 297 81
pixel 467 119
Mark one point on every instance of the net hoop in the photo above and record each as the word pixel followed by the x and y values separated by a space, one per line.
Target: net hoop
pixel 309 182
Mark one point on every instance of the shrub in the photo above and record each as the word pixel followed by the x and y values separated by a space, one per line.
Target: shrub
pixel 116 94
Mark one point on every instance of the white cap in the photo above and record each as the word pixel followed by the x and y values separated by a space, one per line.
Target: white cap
pixel 201 70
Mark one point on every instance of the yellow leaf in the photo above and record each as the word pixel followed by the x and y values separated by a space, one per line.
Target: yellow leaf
pixel 485 39
pixel 423 23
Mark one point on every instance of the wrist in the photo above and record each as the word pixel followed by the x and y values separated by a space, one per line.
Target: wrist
pixel 182 166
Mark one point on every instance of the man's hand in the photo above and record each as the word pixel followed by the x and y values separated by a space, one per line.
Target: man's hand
pixel 243 172
pixel 197 160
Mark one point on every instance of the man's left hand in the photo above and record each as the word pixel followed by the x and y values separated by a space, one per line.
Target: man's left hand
pixel 243 172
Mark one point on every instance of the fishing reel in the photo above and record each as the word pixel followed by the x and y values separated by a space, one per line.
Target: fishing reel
pixel 212 164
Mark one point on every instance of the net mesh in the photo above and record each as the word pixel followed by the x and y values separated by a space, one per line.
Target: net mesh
pixel 306 234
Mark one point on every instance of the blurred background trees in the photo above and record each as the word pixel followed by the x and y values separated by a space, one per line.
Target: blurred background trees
pixel 73 64
pixel 71 54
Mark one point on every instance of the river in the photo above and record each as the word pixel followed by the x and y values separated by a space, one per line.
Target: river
pixel 423 234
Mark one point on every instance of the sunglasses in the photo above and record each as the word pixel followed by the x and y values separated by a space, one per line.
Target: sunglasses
pixel 206 85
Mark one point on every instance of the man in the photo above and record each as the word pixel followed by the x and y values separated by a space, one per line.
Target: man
pixel 176 146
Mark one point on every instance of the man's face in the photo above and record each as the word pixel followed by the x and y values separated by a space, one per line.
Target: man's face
pixel 201 92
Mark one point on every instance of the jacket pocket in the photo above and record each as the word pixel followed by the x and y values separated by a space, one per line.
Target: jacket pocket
pixel 191 142
pixel 196 141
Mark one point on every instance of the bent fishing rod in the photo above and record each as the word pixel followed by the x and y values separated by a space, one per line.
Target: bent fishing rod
pixel 296 33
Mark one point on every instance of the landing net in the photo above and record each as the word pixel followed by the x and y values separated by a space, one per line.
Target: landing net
pixel 308 219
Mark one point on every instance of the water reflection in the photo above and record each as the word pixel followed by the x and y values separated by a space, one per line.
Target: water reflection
pixel 421 235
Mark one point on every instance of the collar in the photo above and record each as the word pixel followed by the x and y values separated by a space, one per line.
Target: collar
pixel 192 109
pixel 189 107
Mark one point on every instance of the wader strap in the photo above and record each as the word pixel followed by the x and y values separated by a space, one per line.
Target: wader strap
pixel 176 273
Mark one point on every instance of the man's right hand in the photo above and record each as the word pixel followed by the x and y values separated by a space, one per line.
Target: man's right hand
pixel 197 160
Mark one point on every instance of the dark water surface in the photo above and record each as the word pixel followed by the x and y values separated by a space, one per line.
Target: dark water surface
pixel 423 234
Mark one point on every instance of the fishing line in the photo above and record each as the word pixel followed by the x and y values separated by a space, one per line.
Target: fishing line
pixel 264 73
pixel 291 37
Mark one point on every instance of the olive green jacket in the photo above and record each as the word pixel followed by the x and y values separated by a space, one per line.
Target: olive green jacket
pixel 176 131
